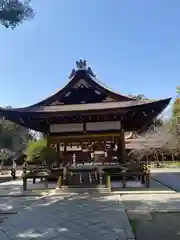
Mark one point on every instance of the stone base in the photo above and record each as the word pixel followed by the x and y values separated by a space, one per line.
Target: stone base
pixel 68 189
pixel 84 186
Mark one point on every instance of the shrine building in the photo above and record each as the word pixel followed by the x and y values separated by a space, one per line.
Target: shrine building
pixel 86 118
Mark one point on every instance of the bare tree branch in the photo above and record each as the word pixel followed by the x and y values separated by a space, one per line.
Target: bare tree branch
pixel 150 142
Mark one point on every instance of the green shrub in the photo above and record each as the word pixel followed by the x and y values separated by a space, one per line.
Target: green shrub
pixel 38 152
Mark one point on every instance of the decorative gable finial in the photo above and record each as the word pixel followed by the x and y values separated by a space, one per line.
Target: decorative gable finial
pixel 81 64
pixel 90 72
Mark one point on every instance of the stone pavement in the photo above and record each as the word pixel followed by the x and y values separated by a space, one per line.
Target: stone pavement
pixel 152 202
pixel 169 179
pixel 13 199
pixel 162 226
pixel 154 216
pixel 12 205
pixel 15 188
pixel 70 216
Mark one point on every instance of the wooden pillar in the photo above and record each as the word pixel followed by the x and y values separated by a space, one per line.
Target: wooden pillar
pixel 65 147
pixel 121 146
pixel 157 159
pixel 108 182
pixel 65 169
pixel 65 150
pixel 147 159
pixel 147 178
pixel 58 154
pixel 123 180
pixel 46 182
pixel 162 155
pixel 24 176
pixel 48 141
pixel 24 183
pixel 58 148
pixel 105 153
pixel 59 183
pixel 34 180
pixel 65 172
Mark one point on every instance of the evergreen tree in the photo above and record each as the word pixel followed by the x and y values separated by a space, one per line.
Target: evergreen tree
pixel 14 12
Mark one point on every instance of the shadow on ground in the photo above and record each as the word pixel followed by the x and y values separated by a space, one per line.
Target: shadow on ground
pixel 84 215
pixel 169 179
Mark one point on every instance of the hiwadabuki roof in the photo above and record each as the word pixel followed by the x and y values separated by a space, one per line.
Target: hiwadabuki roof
pixel 125 105
pixel 84 95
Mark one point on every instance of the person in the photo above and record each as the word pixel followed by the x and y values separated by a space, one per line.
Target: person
pixel 13 170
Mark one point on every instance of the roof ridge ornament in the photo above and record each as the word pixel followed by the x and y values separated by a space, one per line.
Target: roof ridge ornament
pixel 82 65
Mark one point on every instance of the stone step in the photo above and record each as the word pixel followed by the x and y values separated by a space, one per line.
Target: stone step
pixel 79 190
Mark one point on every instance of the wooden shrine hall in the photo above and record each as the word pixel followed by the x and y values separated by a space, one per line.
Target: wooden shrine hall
pixel 85 121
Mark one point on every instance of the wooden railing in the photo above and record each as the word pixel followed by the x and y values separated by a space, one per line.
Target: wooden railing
pixel 87 176
pixel 144 178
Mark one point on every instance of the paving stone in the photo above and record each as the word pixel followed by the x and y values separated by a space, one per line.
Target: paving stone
pixel 6 227
pixel 3 236
pixel 126 225
pixel 23 234
pixel 61 237
pixel 163 226
pixel 120 233
pixel 57 218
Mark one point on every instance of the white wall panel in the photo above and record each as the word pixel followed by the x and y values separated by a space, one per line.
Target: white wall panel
pixel 100 126
pixel 71 127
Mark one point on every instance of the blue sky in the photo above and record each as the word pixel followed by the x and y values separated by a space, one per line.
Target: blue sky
pixel 132 45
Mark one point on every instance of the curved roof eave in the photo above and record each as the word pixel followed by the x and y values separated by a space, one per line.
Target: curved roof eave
pixel 88 107
pixel 32 117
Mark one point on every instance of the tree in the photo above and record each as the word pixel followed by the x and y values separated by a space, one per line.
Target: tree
pixel 138 97
pixel 151 142
pixel 34 149
pixel 14 12
pixel 13 136
pixel 174 123
pixel 38 152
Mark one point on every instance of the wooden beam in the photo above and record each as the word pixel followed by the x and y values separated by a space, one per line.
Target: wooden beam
pixel 85 136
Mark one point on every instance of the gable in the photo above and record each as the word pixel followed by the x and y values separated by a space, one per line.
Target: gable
pixel 83 87
pixel 82 92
